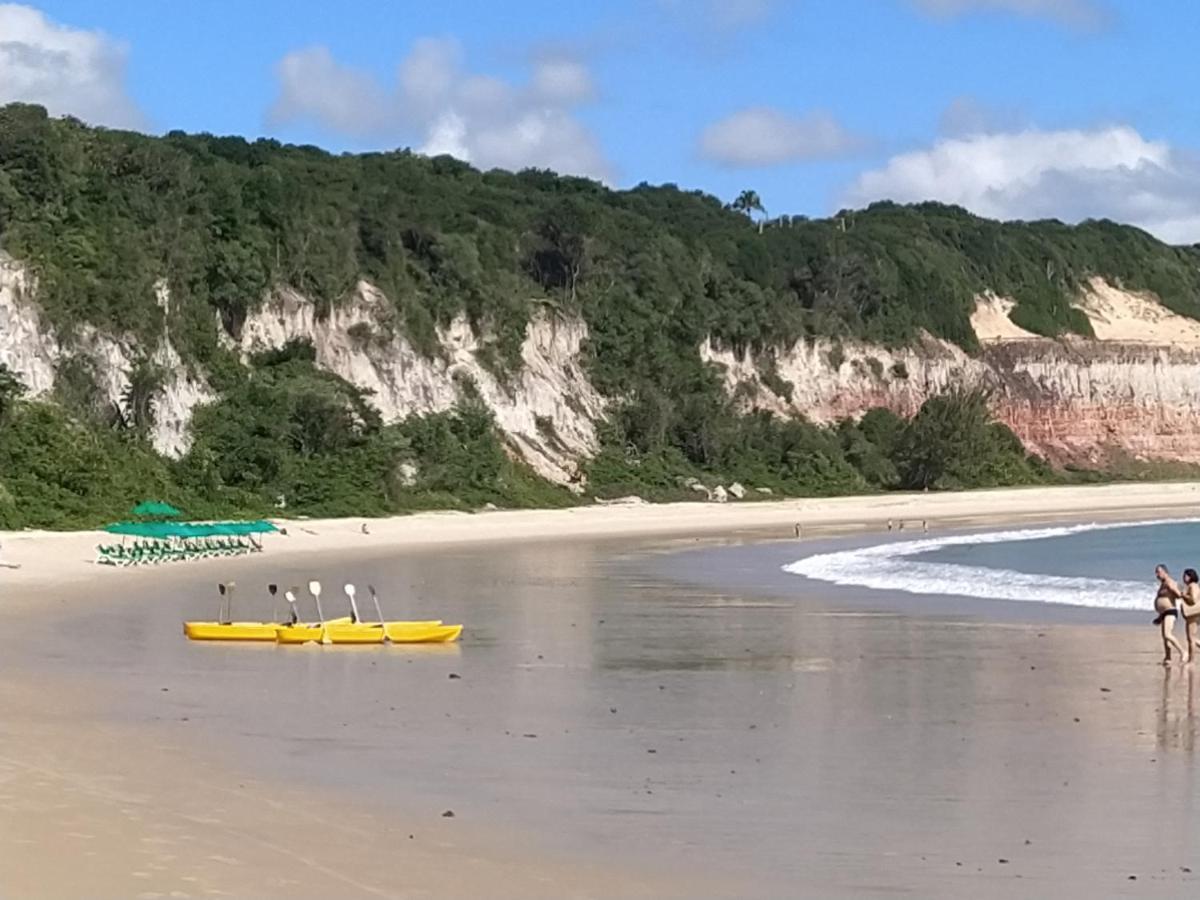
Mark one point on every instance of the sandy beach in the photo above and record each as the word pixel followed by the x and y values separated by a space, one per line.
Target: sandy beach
pixel 609 730
pixel 48 559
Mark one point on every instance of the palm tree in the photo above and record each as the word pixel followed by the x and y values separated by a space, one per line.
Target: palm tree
pixel 748 203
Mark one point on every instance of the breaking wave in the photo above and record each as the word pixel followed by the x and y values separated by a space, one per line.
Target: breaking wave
pixel 892 567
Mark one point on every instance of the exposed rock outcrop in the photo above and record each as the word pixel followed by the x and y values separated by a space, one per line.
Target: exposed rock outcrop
pixel 30 347
pixel 1078 401
pixel 1135 389
pixel 548 410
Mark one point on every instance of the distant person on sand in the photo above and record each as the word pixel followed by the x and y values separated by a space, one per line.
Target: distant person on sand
pixel 1164 605
pixel 1189 605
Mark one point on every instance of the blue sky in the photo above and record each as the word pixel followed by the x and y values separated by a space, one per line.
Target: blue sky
pixel 1015 108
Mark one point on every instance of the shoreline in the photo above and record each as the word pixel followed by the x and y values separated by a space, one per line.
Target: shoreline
pixel 595 711
pixel 39 560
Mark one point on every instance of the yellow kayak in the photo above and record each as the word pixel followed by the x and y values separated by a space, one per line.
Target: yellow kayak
pixel 239 631
pixel 367 633
pixel 406 633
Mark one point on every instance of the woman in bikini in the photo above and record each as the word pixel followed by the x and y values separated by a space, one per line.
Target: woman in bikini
pixel 1189 606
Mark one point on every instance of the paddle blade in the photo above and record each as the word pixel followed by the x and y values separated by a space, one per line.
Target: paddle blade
pixel 314 588
pixel 221 589
pixel 272 589
pixel 350 590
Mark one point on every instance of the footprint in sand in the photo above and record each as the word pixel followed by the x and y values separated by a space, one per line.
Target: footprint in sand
pixel 227 860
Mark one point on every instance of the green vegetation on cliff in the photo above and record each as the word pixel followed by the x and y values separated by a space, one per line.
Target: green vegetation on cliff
pixel 104 216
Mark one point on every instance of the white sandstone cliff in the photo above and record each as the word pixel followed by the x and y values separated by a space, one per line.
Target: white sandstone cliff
pixel 1134 389
pixel 548 410
pixel 32 349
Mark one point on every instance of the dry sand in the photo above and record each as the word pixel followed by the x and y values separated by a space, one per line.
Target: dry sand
pixel 1116 315
pixel 1128 317
pixel 991 323
pixel 797 750
pixel 52 559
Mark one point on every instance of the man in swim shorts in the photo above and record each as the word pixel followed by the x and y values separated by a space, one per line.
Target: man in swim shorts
pixel 1164 606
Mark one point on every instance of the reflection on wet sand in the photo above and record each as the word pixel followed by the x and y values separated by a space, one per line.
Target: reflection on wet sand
pixel 1177 711
pixel 603 709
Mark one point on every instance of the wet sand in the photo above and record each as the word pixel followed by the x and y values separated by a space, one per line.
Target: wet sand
pixel 625 724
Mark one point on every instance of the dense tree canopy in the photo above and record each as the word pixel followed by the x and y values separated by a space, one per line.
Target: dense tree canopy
pixel 104 217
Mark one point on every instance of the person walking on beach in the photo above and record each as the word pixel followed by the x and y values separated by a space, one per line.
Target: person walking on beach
pixel 1164 605
pixel 1189 606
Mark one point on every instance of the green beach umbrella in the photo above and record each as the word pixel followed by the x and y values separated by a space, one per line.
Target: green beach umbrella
pixel 164 530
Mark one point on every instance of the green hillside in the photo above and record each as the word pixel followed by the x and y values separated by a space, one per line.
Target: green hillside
pixel 102 216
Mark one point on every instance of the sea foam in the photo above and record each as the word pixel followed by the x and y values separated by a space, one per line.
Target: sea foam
pixel 892 567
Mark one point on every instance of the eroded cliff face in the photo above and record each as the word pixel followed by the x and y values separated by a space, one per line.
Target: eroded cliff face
pixel 831 380
pixel 1080 401
pixel 1135 389
pixel 35 351
pixel 548 410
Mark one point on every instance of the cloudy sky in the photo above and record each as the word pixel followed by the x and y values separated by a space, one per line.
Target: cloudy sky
pixel 1012 108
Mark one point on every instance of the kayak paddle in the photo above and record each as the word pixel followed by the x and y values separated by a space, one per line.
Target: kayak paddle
pixel 226 614
pixel 379 613
pixel 350 592
pixel 290 596
pixel 314 588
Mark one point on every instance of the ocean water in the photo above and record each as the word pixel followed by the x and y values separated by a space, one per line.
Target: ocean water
pixel 1105 566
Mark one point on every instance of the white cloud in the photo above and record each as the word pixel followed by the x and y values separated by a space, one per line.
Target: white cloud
pixel 1111 172
pixel 1086 14
pixel 66 70
pixel 762 136
pixel 563 81
pixel 314 84
pixel 443 108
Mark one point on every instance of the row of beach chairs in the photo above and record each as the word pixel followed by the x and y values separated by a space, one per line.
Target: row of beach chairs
pixel 143 553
